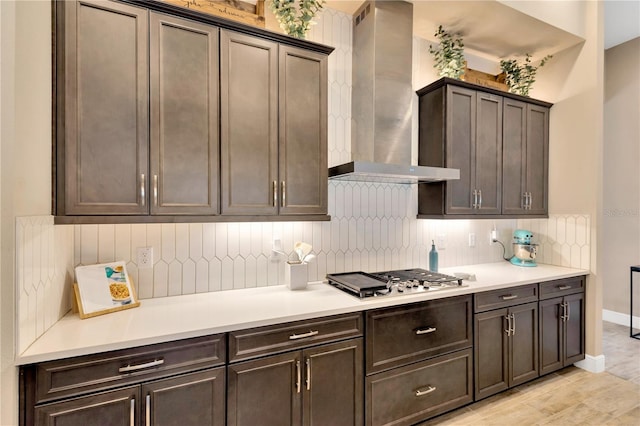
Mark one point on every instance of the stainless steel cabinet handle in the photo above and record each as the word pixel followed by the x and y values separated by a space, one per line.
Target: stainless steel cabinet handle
pixel 283 196
pixel 147 411
pixel 298 376
pixel 303 335
pixel 142 185
pixel 564 287
pixel 524 201
pixel 568 310
pixel 508 329
pixel 475 199
pixel 509 297
pixel 426 391
pixel 308 362
pixel 129 368
pixel 563 316
pixel 132 412
pixel 155 190
pixel 275 193
pixel 513 324
pixel 530 200
pixel 425 330
pixel 480 198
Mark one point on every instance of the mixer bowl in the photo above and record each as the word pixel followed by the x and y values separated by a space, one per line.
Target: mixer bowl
pixel 525 251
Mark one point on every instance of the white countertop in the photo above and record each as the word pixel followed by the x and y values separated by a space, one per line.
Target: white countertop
pixel 179 317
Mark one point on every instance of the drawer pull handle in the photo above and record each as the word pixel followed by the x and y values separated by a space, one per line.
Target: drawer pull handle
pixel 425 330
pixel 129 368
pixel 132 412
pixel 564 287
pixel 426 391
pixel 510 297
pixel 303 335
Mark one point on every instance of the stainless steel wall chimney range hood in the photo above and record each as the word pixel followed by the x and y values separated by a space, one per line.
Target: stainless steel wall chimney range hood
pixel 381 99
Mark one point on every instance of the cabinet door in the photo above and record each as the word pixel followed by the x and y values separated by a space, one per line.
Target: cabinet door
pixel 333 384
pixel 514 159
pixel 191 399
pixel 523 362
pixel 537 168
pixel 491 353
pixel 488 153
pixel 265 391
pixel 116 407
pixel 249 124
pixel 525 158
pixel 184 116
pixel 106 104
pixel 303 131
pixel 551 335
pixel 574 329
pixel 461 139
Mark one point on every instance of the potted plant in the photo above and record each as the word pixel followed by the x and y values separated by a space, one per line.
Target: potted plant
pixel 294 19
pixel 449 56
pixel 521 76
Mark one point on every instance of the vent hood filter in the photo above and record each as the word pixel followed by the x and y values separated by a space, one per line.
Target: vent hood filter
pixel 382 96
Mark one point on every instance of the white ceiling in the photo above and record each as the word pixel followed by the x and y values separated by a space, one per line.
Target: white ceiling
pixel 516 33
pixel 621 21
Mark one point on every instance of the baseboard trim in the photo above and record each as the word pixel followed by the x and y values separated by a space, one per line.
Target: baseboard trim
pixel 593 364
pixel 619 318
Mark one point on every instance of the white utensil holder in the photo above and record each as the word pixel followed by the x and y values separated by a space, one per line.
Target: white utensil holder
pixel 295 275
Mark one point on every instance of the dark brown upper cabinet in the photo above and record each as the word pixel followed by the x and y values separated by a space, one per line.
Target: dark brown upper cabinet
pixel 525 158
pixel 166 114
pixel 184 116
pixel 274 128
pixel 103 161
pixel 498 140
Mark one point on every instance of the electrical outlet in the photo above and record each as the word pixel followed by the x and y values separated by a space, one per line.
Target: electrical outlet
pixel 472 239
pixel 145 257
pixel 276 251
pixel 493 236
pixel 441 241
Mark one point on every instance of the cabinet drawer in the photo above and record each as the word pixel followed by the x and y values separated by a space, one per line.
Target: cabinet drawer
pixel 506 297
pixel 254 342
pixel 73 376
pixel 561 287
pixel 407 395
pixel 409 333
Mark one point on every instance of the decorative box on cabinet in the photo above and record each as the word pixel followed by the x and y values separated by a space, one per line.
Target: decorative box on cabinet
pixel 562 312
pixel 505 339
pixel 418 360
pixel 301 373
pixel 153 385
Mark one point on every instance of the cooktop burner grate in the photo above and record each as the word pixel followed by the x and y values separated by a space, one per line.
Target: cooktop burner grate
pixel 404 281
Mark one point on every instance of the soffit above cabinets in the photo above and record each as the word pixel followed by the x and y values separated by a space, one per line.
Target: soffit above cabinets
pixel 489 28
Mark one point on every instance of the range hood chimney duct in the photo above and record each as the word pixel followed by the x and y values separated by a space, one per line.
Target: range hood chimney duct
pixel 382 98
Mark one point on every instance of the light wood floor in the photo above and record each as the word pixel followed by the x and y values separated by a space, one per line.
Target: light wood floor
pixel 571 396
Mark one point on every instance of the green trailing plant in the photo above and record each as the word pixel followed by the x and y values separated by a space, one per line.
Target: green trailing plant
pixel 296 20
pixel 449 56
pixel 520 76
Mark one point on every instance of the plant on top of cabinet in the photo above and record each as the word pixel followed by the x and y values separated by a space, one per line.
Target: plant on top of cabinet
pixel 449 57
pixel 521 76
pixel 296 21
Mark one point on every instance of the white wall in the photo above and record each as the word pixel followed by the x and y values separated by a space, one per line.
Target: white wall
pixel 621 203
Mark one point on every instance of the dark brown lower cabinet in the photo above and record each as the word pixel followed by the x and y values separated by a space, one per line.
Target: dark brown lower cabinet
pixel 561 332
pixel 191 399
pixel 317 386
pixel 506 348
pixel 409 394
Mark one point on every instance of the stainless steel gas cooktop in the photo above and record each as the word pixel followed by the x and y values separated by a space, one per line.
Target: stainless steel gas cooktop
pixel 387 283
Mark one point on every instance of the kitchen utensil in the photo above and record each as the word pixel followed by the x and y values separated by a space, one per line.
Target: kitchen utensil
pixel 302 250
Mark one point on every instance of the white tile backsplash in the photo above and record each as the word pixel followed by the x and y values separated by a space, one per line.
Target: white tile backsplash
pixel 373 227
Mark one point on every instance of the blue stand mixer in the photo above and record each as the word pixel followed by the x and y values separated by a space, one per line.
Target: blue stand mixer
pixel 524 251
